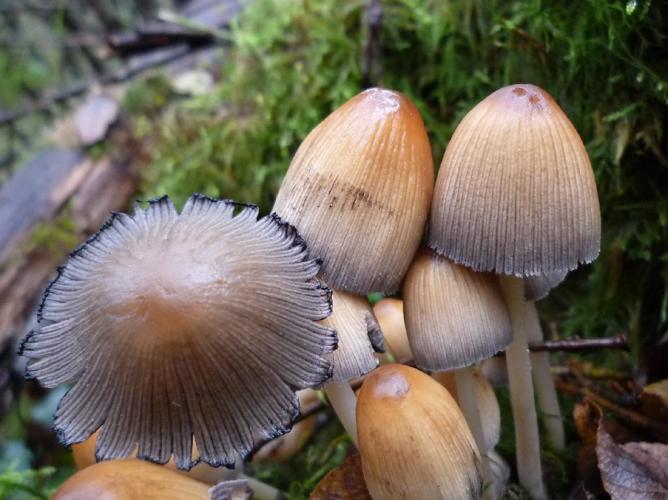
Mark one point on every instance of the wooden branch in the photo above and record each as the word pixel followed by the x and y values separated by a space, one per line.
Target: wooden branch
pixel 580 345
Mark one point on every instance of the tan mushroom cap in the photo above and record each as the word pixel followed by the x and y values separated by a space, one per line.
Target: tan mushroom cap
pixel 454 316
pixel 516 193
pixel 180 327
pixel 390 315
pixel 130 480
pixel 488 405
pixel 358 333
pixel 413 439
pixel 359 189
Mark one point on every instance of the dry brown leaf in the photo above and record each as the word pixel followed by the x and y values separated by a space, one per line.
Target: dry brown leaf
pixel 586 416
pixel 346 482
pixel 654 399
pixel 633 471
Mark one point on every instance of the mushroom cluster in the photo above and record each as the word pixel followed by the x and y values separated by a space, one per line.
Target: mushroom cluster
pixel 186 335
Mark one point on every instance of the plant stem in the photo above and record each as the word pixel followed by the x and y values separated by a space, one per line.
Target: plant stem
pixel 468 403
pixel 527 443
pixel 544 382
pixel 343 400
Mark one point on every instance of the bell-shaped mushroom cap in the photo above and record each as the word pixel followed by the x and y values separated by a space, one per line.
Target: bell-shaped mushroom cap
pixel 488 405
pixel 359 189
pixel 539 286
pixel 516 193
pixel 390 315
pixel 413 439
pixel 454 316
pixel 130 480
pixel 173 327
pixel 358 334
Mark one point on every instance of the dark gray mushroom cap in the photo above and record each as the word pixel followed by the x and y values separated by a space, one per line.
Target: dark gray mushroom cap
pixel 179 327
pixel 538 287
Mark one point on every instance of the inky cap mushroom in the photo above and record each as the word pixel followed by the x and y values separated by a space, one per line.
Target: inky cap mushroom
pixel 538 287
pixel 390 315
pixel 413 439
pixel 516 193
pixel 454 316
pixel 359 189
pixel 358 334
pixel 179 327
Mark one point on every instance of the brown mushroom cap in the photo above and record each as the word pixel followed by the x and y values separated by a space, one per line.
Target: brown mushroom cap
pixel 359 336
pixel 413 439
pixel 130 480
pixel 174 327
pixel 359 189
pixel 454 316
pixel 516 193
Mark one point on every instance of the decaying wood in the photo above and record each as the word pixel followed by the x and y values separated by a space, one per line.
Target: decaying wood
pixel 55 182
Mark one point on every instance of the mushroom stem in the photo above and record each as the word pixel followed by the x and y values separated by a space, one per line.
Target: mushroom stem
pixel 527 444
pixel 468 403
pixel 548 401
pixel 343 400
pixel 262 491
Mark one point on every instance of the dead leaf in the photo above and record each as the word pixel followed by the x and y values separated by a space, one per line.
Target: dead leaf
pixel 586 416
pixel 633 471
pixel 654 400
pixel 346 482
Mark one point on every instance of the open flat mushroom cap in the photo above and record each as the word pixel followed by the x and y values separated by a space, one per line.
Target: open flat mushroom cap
pixel 390 315
pixel 516 193
pixel 359 189
pixel 174 327
pixel 130 480
pixel 413 439
pixel 538 287
pixel 454 316
pixel 358 333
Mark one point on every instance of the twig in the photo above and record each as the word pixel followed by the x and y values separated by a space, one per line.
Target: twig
pixel 581 345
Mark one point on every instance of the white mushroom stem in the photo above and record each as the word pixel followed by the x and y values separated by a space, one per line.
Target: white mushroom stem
pixel 527 443
pixel 343 400
pixel 548 401
pixel 468 403
pixel 262 491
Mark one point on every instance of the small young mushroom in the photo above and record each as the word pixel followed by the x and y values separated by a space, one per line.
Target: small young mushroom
pixel 358 190
pixel 130 480
pixel 455 318
pixel 359 336
pixel 173 327
pixel 516 196
pixel 414 441
pixel 390 315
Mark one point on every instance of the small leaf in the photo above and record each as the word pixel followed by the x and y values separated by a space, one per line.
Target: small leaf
pixel 346 482
pixel 634 471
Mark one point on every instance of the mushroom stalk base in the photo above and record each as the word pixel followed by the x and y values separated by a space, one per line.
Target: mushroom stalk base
pixel 527 444
pixel 343 400
pixel 468 403
pixel 544 382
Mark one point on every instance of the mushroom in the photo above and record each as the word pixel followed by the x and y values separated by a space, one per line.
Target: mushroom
pixel 490 416
pixel 537 288
pixel 455 318
pixel 414 441
pixel 173 327
pixel 516 196
pixel 359 335
pixel 359 189
pixel 390 315
pixel 130 480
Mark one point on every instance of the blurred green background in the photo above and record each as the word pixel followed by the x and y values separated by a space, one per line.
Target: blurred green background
pixel 285 64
